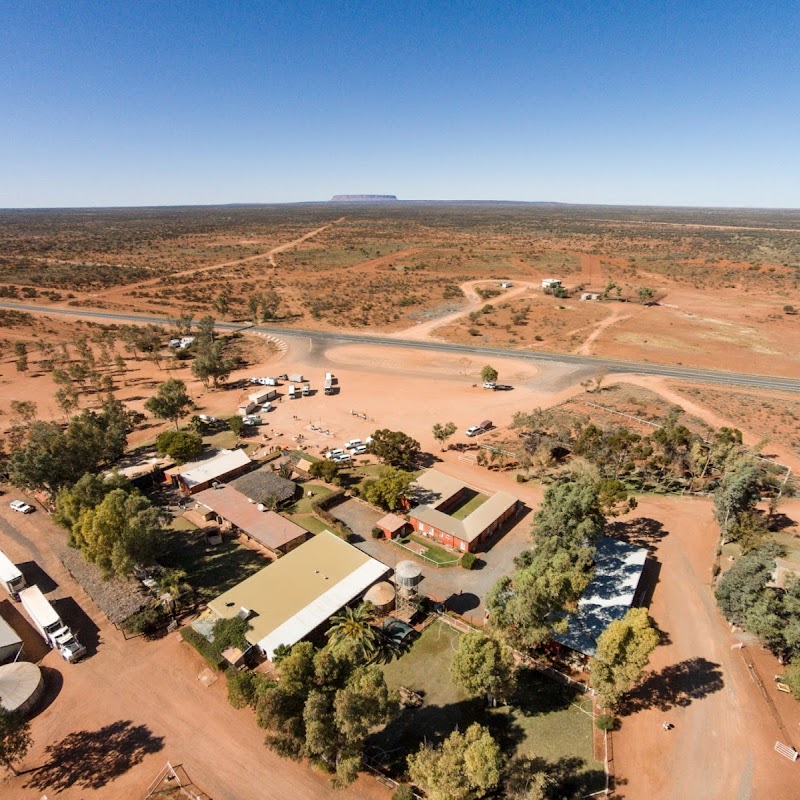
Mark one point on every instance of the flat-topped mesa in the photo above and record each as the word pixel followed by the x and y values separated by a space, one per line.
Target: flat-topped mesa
pixel 363 198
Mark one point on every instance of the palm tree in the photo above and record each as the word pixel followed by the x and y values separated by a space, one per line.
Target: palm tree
pixel 173 583
pixel 353 628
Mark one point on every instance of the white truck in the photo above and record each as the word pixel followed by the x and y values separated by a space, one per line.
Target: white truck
pixel 328 387
pixel 296 378
pixel 292 392
pixel 10 576
pixel 306 389
pixel 49 624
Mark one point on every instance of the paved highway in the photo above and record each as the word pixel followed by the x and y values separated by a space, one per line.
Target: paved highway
pixel 605 364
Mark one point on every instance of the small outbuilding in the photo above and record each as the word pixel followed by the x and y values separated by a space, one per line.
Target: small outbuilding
pixel 590 296
pixel 392 526
pixel 21 686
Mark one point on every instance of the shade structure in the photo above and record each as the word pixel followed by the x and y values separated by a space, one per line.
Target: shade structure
pixel 21 686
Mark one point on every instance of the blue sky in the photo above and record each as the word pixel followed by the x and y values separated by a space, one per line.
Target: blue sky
pixel 140 103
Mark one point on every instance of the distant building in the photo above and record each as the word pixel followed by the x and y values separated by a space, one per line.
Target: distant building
pixel 618 569
pixel 591 296
pixel 290 599
pixel 438 494
pixel 272 531
pixel 198 475
pixel 551 283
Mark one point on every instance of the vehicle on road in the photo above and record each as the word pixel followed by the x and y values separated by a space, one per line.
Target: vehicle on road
pixel 10 576
pixel 46 620
pixel 21 507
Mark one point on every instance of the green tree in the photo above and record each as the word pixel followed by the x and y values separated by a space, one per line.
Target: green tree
pixel 394 448
pixel 180 445
pixel 489 374
pixel 443 432
pixel 483 667
pixel 222 304
pixel 15 738
pixel 88 492
pixel 211 364
pixel 353 630
pixel 466 766
pixel 323 707
pixel 742 586
pixel 325 470
pixel 124 531
pixel 570 512
pixel 613 498
pixel 236 424
pixel 645 293
pixel 389 489
pixel 23 411
pixel 170 401
pixel 270 302
pixel 623 650
pixel 229 633
pixel 793 678
pixel 738 492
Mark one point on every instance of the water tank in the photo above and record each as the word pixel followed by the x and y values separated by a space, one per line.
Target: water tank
pixel 21 686
pixel 407 574
pixel 381 595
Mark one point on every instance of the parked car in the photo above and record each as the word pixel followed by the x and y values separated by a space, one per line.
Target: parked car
pixel 341 458
pixel 352 443
pixel 333 453
pixel 252 419
pixel 21 506
pixel 358 450
pixel 482 427
pixel 206 418
pixel 489 385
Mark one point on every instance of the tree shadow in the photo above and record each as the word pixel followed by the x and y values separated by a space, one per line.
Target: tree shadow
pixel 462 602
pixel 675 686
pixel 640 532
pixel 427 460
pixel 567 778
pixel 536 694
pixel 91 759
pixel 779 521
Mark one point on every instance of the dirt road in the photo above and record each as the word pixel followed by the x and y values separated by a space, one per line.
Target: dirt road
pixel 721 745
pixel 269 255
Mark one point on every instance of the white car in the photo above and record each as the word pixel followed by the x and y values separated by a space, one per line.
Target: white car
pixel 341 458
pixel 352 443
pixel 21 506
pixel 251 419
pixel 474 430
pixel 332 454
pixel 489 385
pixel 358 450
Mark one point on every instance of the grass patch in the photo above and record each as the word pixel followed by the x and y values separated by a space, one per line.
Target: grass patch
pixel 210 569
pixel 471 501
pixel 312 493
pixel 790 543
pixel 310 523
pixel 436 553
pixel 223 440
pixel 545 719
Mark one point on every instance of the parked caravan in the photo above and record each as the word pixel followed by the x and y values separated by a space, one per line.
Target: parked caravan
pixel 306 389
pixel 49 624
pixel 292 392
pixel 10 576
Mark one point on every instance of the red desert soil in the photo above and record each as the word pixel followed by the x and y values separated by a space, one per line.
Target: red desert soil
pixel 721 745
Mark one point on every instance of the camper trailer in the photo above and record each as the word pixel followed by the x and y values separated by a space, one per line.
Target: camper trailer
pixel 10 576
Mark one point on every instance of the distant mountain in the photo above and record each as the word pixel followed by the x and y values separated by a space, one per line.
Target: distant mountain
pixel 364 198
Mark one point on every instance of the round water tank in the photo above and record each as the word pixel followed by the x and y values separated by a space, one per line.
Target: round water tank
pixel 407 573
pixel 21 686
pixel 381 595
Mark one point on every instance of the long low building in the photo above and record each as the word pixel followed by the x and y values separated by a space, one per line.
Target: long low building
pixel 274 532
pixel 294 596
pixel 439 494
pixel 618 568
pixel 200 474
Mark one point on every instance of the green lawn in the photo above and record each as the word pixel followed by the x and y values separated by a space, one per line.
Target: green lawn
pixel 472 500
pixel 436 553
pixel 312 492
pixel 210 569
pixel 544 721
pixel 356 475
pixel 310 523
pixel 791 544
pixel 224 440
